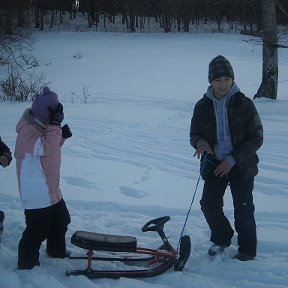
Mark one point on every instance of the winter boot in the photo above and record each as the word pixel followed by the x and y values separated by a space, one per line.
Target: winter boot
pixel 215 249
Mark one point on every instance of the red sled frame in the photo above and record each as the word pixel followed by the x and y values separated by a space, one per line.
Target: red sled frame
pixel 157 260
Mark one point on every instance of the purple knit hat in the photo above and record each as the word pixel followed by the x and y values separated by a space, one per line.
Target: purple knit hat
pixel 41 103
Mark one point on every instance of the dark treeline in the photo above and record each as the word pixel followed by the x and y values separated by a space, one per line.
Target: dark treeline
pixel 135 14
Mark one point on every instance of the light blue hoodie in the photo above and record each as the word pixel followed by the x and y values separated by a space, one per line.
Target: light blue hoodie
pixel 223 146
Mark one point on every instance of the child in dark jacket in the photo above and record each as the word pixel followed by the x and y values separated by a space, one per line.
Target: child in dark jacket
pixel 38 158
pixel 226 127
pixel 5 160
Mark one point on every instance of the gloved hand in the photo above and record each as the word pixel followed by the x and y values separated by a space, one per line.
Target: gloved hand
pixel 66 132
pixel 6 155
pixel 56 115
pixel 4 161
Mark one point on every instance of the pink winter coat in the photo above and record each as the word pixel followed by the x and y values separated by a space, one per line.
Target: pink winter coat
pixel 38 160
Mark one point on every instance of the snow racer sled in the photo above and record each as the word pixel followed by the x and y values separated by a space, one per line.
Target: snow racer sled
pixel 146 262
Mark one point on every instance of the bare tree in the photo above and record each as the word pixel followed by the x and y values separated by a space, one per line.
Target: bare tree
pixel 269 85
pixel 14 46
pixel 281 6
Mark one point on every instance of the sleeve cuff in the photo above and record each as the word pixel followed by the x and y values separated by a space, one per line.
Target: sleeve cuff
pixel 230 160
pixel 201 143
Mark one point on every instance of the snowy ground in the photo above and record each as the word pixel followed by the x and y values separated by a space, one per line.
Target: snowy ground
pixel 130 160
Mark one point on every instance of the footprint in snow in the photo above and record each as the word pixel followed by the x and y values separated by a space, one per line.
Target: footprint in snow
pixel 80 182
pixel 132 192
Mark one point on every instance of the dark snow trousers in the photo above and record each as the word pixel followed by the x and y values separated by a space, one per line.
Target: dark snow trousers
pixel 212 206
pixel 43 224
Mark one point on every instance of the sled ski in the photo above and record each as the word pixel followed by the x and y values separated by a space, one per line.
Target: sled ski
pixel 2 216
pixel 1 231
pixel 124 249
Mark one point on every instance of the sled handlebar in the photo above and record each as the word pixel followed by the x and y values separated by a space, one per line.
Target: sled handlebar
pixel 155 224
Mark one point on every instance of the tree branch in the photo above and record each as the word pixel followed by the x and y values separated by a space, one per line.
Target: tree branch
pixel 281 7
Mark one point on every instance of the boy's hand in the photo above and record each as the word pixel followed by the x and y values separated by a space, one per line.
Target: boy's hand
pixel 205 147
pixel 222 169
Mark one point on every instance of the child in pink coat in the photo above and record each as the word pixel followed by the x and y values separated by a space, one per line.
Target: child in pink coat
pixel 38 159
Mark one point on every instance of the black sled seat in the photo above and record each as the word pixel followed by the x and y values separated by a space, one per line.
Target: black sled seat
pixel 141 261
pixel 104 242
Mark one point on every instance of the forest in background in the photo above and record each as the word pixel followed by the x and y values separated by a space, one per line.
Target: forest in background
pixel 137 15
pixel 267 19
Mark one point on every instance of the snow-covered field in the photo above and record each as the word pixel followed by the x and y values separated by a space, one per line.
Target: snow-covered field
pixel 130 159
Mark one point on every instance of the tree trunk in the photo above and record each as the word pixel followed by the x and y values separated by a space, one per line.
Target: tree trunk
pixel 89 13
pixel 20 17
pixel 37 15
pixel 8 24
pixel 132 17
pixel 41 19
pixel 269 85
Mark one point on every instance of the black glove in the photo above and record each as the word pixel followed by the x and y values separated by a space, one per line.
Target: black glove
pixel 66 132
pixel 56 115
pixel 5 160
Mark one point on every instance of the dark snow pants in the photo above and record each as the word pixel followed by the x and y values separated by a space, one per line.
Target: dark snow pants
pixel 47 223
pixel 212 206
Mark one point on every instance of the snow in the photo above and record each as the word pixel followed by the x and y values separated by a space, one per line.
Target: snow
pixel 128 99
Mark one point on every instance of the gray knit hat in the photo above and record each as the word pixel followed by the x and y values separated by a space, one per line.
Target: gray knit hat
pixel 218 67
